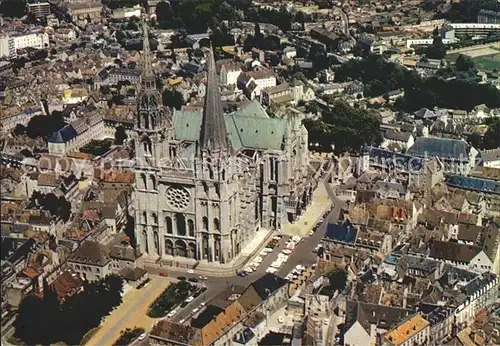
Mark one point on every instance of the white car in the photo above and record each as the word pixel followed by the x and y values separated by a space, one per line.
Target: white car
pixel 171 313
pixel 195 310
pixel 182 321
pixel 249 270
pixel 281 319
pixel 189 299
pixel 311 233
pixel 190 271
pixel 142 336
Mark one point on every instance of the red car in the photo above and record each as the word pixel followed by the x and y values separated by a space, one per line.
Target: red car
pixel 164 274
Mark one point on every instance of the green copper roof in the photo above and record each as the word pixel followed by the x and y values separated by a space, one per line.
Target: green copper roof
pixel 250 127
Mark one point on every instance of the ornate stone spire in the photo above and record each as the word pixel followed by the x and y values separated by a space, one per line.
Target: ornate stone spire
pixel 213 126
pixel 148 76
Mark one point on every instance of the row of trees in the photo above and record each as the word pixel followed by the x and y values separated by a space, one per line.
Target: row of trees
pixel 460 92
pixel 344 128
pixel 377 74
pixel 56 206
pixel 45 321
pixel 467 11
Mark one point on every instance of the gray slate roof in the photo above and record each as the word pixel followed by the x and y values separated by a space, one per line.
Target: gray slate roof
pixel 441 147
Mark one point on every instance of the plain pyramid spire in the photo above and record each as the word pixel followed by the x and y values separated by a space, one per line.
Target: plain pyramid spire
pixel 213 126
pixel 147 76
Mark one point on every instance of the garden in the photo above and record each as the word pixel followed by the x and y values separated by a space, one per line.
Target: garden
pixel 128 336
pixel 174 295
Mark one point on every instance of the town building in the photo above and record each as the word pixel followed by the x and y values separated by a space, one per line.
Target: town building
pixel 39 9
pixel 414 331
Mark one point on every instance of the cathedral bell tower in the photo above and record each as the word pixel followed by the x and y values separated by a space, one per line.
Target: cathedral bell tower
pixel 216 190
pixel 152 121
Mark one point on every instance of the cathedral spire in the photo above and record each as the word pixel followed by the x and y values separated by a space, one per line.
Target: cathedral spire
pixel 213 126
pixel 147 76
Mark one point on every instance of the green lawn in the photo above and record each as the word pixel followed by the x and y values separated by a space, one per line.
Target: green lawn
pixel 487 62
pixel 97 148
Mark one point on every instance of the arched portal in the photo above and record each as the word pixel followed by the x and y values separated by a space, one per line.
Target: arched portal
pixel 169 247
pixel 180 248
pixel 192 250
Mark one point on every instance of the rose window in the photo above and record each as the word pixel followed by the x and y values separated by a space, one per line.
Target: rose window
pixel 177 198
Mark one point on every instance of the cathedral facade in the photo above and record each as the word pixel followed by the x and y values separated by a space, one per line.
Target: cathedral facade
pixel 206 182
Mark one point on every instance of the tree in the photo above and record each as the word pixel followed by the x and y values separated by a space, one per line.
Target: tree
pixel 13 8
pixel 44 126
pixel 475 139
pixel 344 128
pixel 120 135
pixel 491 138
pixel 19 130
pixel 47 321
pixel 172 98
pixel 464 63
pixel 435 32
pixel 63 209
pixel 437 50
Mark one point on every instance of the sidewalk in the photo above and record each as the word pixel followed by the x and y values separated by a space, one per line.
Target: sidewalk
pixel 251 250
pixel 131 313
pixel 321 203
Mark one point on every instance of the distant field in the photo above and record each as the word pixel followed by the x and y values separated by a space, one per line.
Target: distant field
pixel 488 62
pixel 474 53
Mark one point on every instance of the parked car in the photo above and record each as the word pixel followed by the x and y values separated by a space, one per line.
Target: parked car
pixel 164 274
pixel 142 336
pixel 190 271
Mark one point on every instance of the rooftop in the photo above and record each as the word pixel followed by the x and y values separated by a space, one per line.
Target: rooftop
pixel 407 330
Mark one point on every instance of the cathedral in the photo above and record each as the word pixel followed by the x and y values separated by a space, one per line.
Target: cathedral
pixel 206 181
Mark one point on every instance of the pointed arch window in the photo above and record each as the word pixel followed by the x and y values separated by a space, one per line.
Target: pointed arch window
pixel 205 223
pixel 216 224
pixel 155 218
pixel 153 181
pixel 145 241
pixel 144 217
pixel 168 225
pixel 191 228
pixel 144 181
pixel 147 146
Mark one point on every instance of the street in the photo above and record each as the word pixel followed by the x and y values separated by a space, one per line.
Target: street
pixel 131 313
pixel 303 254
